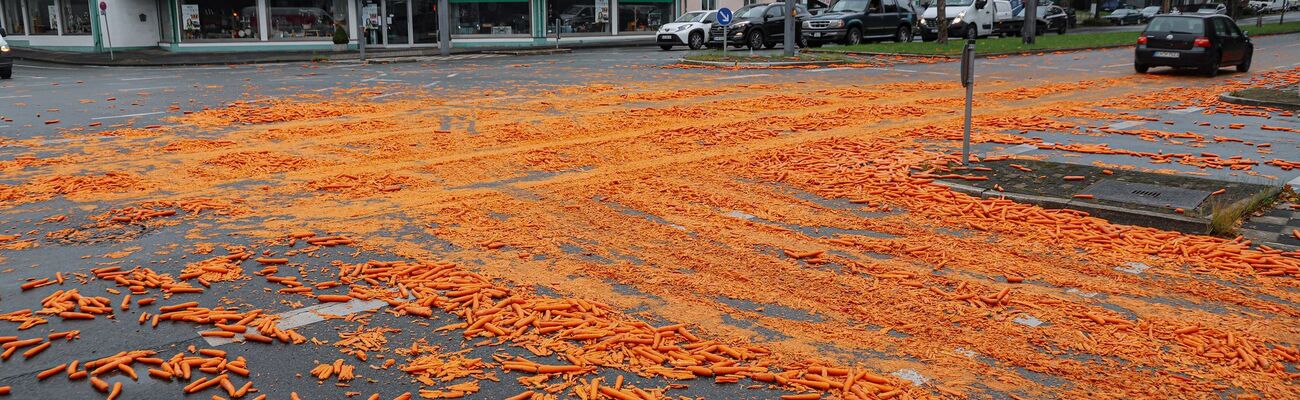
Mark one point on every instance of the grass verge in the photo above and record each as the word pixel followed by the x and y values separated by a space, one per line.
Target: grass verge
pixel 1047 42
pixel 1226 217
pixel 1290 95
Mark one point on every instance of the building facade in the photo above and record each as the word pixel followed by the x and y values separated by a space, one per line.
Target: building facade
pixel 269 25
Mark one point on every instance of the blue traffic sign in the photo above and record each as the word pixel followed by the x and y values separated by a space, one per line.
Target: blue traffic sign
pixel 724 16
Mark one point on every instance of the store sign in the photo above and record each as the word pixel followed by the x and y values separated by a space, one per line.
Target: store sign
pixel 53 13
pixel 602 11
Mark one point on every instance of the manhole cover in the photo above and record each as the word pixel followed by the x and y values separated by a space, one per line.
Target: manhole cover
pixel 1146 194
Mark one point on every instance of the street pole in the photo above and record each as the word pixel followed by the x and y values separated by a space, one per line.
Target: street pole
pixel 791 12
pixel 103 12
pixel 1030 22
pixel 967 80
pixel 724 42
pixel 941 19
pixel 361 28
pixel 444 28
pixel 558 23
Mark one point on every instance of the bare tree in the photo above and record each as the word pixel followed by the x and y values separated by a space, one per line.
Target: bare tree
pixel 942 20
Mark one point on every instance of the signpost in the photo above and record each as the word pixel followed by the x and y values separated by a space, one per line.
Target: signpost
pixel 967 81
pixel 724 19
pixel 791 12
pixel 103 11
pixel 361 30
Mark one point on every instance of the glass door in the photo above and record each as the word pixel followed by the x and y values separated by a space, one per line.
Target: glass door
pixel 424 21
pixel 397 23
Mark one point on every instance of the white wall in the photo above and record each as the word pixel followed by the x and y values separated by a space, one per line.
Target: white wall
pixel 694 5
pixel 124 23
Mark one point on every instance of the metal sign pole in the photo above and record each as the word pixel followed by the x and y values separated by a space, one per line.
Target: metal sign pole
pixel 444 28
pixel 724 41
pixel 724 18
pixel 361 28
pixel 967 80
pixel 103 11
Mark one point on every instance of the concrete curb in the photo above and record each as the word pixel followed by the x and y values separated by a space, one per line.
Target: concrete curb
pixel 769 64
pixel 1228 97
pixel 1121 215
pixel 977 54
pixel 537 52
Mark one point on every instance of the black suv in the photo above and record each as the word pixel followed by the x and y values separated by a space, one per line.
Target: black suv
pixel 758 25
pixel 6 59
pixel 1205 42
pixel 850 21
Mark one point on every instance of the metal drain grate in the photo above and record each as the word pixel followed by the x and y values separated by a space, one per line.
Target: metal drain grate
pixel 1147 194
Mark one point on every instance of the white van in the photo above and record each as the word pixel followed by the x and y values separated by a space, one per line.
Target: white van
pixel 966 18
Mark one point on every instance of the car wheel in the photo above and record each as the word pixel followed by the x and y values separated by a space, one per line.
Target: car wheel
pixel 755 40
pixel 7 73
pixel 1212 70
pixel 904 34
pixel 1245 63
pixel 696 40
pixel 769 45
pixel 1141 69
pixel 666 46
pixel 854 36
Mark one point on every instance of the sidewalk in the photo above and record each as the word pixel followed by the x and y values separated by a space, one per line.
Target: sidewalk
pixel 160 57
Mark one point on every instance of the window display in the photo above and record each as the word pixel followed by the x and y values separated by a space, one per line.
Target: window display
pixel 291 19
pixel 76 17
pixel 643 15
pixel 44 17
pixel 490 17
pixel 578 16
pixel 11 13
pixel 424 20
pixel 219 19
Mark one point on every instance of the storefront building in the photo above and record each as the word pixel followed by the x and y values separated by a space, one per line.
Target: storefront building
pixel 269 25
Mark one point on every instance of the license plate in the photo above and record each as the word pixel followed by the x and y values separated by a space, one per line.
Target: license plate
pixel 817 34
pixel 1166 54
pixel 666 37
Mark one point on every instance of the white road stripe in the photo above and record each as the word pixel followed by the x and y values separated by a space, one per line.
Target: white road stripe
pixel 42 67
pixel 1127 124
pixel 1187 110
pixel 453 75
pixel 1116 65
pixel 149 78
pixel 739 77
pixel 431 83
pixel 147 88
pixel 936 73
pixel 128 115
pixel 16 97
pixel 323 89
pixel 829 69
pixel 308 315
pixel 1013 150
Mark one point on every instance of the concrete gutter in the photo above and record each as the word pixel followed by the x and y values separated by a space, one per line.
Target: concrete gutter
pixel 758 64
pixel 1228 97
pixel 1180 223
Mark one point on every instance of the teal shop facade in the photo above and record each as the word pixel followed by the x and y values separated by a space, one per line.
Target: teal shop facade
pixel 291 25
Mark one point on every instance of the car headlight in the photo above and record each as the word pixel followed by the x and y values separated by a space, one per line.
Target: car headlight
pixel 923 23
pixel 4 48
pixel 682 28
pixel 959 18
pixel 836 24
pixel 807 24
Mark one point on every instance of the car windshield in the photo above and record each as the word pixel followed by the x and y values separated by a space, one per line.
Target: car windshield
pixel 1177 25
pixel 691 17
pixel 754 11
pixel 849 6
pixel 958 3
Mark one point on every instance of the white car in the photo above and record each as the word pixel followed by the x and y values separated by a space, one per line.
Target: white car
pixel 690 29
pixel 1268 5
pixel 1213 9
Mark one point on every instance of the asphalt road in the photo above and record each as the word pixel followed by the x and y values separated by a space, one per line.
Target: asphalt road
pixel 55 104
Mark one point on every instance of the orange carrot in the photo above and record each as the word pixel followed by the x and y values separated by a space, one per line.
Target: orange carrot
pixel 331 298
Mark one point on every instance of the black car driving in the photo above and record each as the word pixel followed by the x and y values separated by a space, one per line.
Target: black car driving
pixel 849 22
pixel 758 25
pixel 1204 42
pixel 6 59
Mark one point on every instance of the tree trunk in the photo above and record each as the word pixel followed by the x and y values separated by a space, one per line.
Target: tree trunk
pixel 941 19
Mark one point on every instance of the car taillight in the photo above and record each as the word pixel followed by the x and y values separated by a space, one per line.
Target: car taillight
pixel 1202 42
pixel 1142 39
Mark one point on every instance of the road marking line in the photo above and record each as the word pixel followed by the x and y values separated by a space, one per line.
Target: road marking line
pixel 128 115
pixel 905 70
pixel 1126 124
pixel 323 89
pixel 1078 70
pixel 739 77
pixel 42 67
pixel 1294 182
pixel 829 69
pixel 1187 110
pixel 453 75
pixel 1116 65
pixel 308 315
pixel 936 72
pixel 385 95
pixel 17 97
pixel 150 77
pixel 431 83
pixel 148 88
pixel 1013 150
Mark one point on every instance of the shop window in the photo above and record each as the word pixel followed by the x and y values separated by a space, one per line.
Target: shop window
pixel 166 24
pixel 643 15
pixel 490 17
pixel 424 20
pixel 578 16
pixel 76 17
pixel 11 16
pixel 314 19
pixel 44 17
pixel 708 4
pixel 219 19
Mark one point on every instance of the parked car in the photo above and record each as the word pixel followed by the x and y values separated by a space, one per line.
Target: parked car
pixel 1112 5
pixel 1203 41
pixel 1150 12
pixel 850 22
pixel 1124 16
pixel 758 25
pixel 1212 9
pixel 1071 16
pixel 690 29
pixel 966 18
pixel 1267 6
pixel 1050 19
pixel 6 58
